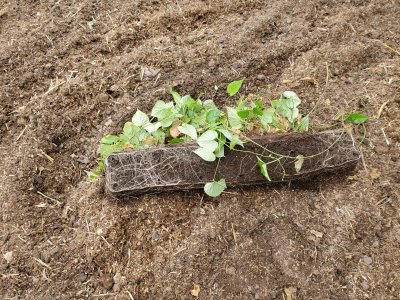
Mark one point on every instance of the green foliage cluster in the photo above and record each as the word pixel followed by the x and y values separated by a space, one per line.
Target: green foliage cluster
pixel 214 130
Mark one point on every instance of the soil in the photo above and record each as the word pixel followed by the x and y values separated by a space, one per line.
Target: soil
pixel 73 71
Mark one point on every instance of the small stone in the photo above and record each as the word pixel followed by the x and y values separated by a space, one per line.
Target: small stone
pixel 261 77
pixel 154 235
pixel 8 256
pixel 103 97
pixel 367 259
pixel 231 270
pixel 364 285
pixel 81 277
pixel 35 279
pixel 150 72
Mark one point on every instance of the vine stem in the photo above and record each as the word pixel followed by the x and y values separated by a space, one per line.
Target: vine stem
pixel 216 168
pixel 269 151
pixel 294 157
pixel 251 152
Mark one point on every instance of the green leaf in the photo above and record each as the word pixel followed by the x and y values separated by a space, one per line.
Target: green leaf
pixel 176 141
pixel 215 188
pixel 226 133
pixel 93 175
pixel 257 104
pixel 233 118
pixel 267 116
pixel 175 95
pixel 220 151
pixel 105 149
pixel 235 141
pixel 189 130
pixel 234 87
pixel 205 154
pixel 282 107
pixel 244 114
pixel 140 118
pixel 100 165
pixel 110 139
pixel 210 145
pixel 209 135
pixel 213 115
pixel 152 127
pixel 356 118
pixel 159 136
pixel 263 168
pixel 207 140
pixel 162 110
pixel 258 111
pixel 241 105
pixel 167 121
pixel 304 124
pixel 292 99
pixel 130 130
pixel 209 104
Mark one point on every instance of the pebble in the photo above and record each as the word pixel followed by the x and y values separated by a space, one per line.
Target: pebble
pixel 154 235
pixel 150 72
pixel 103 97
pixel 231 270
pixel 367 259
pixel 261 77
pixel 81 277
pixel 364 285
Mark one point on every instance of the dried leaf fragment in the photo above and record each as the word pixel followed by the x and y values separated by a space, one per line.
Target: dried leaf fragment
pixel 8 256
pixel 317 233
pixel 174 131
pixel 298 163
pixel 195 291
pixel 290 293
pixel 374 174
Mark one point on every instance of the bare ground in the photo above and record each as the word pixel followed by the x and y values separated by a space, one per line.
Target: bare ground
pixel 65 82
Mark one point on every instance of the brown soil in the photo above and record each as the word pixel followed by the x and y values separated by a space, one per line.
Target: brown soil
pixel 72 71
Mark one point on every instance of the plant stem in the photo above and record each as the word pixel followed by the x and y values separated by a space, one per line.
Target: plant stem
pixel 251 152
pixel 216 168
pixel 266 149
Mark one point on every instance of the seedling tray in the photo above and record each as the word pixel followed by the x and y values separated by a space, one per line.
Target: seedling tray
pixel 176 167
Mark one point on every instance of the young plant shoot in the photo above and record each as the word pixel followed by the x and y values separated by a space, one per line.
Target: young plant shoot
pixel 214 130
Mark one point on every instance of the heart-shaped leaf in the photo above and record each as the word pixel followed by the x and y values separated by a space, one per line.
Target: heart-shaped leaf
pixel 356 118
pixel 233 118
pixel 189 130
pixel 140 118
pixel 234 87
pixel 206 154
pixel 215 188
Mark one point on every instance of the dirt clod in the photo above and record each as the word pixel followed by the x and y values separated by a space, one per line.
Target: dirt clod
pixel 107 281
